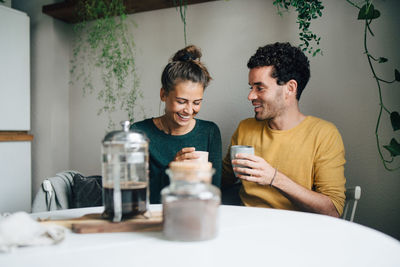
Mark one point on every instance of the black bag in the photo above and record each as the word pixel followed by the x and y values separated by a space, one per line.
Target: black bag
pixel 86 191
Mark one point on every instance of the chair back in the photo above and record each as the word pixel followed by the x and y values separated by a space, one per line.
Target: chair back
pixel 55 192
pixel 353 194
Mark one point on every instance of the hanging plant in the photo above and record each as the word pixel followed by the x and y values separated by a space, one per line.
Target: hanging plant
pixel 103 43
pixel 182 4
pixel 307 10
pixel 368 13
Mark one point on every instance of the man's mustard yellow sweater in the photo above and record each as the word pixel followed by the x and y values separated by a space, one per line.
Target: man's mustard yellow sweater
pixel 311 154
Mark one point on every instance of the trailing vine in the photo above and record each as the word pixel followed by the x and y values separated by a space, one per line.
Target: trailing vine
pixel 307 10
pixel 102 42
pixel 368 13
pixel 182 11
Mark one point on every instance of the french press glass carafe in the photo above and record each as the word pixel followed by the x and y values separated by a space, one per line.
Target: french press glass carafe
pixel 125 173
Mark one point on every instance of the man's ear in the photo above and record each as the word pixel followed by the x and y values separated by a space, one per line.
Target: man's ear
pixel 163 94
pixel 291 88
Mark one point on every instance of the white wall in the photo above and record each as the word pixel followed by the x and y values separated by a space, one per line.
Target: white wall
pixel 341 88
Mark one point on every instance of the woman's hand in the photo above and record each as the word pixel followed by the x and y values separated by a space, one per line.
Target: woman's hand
pixel 186 153
pixel 253 169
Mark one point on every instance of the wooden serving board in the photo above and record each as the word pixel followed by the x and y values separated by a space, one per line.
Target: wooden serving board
pixel 94 223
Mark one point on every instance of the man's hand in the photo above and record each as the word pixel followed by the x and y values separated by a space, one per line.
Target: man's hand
pixel 186 153
pixel 253 169
pixel 257 170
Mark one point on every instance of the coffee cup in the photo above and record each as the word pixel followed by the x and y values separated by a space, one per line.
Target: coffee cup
pixel 202 156
pixel 240 149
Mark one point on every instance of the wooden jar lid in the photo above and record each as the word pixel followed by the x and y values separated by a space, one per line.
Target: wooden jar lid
pixel 190 165
pixel 191 171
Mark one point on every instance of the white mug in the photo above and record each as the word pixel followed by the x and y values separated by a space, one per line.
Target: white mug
pixel 203 156
pixel 240 149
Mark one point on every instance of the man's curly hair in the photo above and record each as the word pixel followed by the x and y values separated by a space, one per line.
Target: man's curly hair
pixel 288 63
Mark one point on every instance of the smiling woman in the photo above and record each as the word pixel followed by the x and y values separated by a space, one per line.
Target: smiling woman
pixel 176 135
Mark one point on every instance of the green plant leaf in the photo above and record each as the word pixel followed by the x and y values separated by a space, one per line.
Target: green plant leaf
pixel 368 13
pixel 316 52
pixel 395 120
pixel 397 75
pixel 382 60
pixel 393 148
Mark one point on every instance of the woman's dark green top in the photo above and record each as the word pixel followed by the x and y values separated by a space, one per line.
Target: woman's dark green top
pixel 163 147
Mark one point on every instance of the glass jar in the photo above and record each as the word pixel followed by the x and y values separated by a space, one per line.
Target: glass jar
pixel 125 167
pixel 190 203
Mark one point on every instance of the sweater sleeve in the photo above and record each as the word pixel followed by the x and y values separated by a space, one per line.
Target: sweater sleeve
pixel 215 154
pixel 228 177
pixel 329 168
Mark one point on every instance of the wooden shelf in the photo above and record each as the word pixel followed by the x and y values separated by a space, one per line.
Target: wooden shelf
pixel 15 136
pixel 66 11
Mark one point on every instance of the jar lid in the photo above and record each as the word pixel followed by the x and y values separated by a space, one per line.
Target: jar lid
pixel 190 165
pixel 191 171
pixel 126 135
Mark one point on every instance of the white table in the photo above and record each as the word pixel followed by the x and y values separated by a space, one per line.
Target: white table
pixel 247 237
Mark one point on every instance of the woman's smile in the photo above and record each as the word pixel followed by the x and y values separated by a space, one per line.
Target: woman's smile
pixel 181 106
pixel 184 117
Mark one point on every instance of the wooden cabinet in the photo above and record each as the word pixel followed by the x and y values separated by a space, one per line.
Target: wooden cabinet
pixel 66 11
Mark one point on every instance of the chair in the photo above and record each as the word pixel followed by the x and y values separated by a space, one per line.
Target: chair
pixel 353 194
pixel 55 192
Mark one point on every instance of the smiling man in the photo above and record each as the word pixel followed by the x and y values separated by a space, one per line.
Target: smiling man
pixel 299 160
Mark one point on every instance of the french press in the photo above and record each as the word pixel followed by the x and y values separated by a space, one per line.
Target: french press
pixel 125 164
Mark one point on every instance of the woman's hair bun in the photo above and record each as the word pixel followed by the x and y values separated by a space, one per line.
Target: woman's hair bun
pixel 185 65
pixel 188 53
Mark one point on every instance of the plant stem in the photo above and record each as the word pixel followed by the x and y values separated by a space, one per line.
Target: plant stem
pixel 351 3
pixel 382 80
pixel 182 12
pixel 371 56
pixel 381 106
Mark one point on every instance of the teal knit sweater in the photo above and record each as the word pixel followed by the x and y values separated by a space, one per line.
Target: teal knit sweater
pixel 163 147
